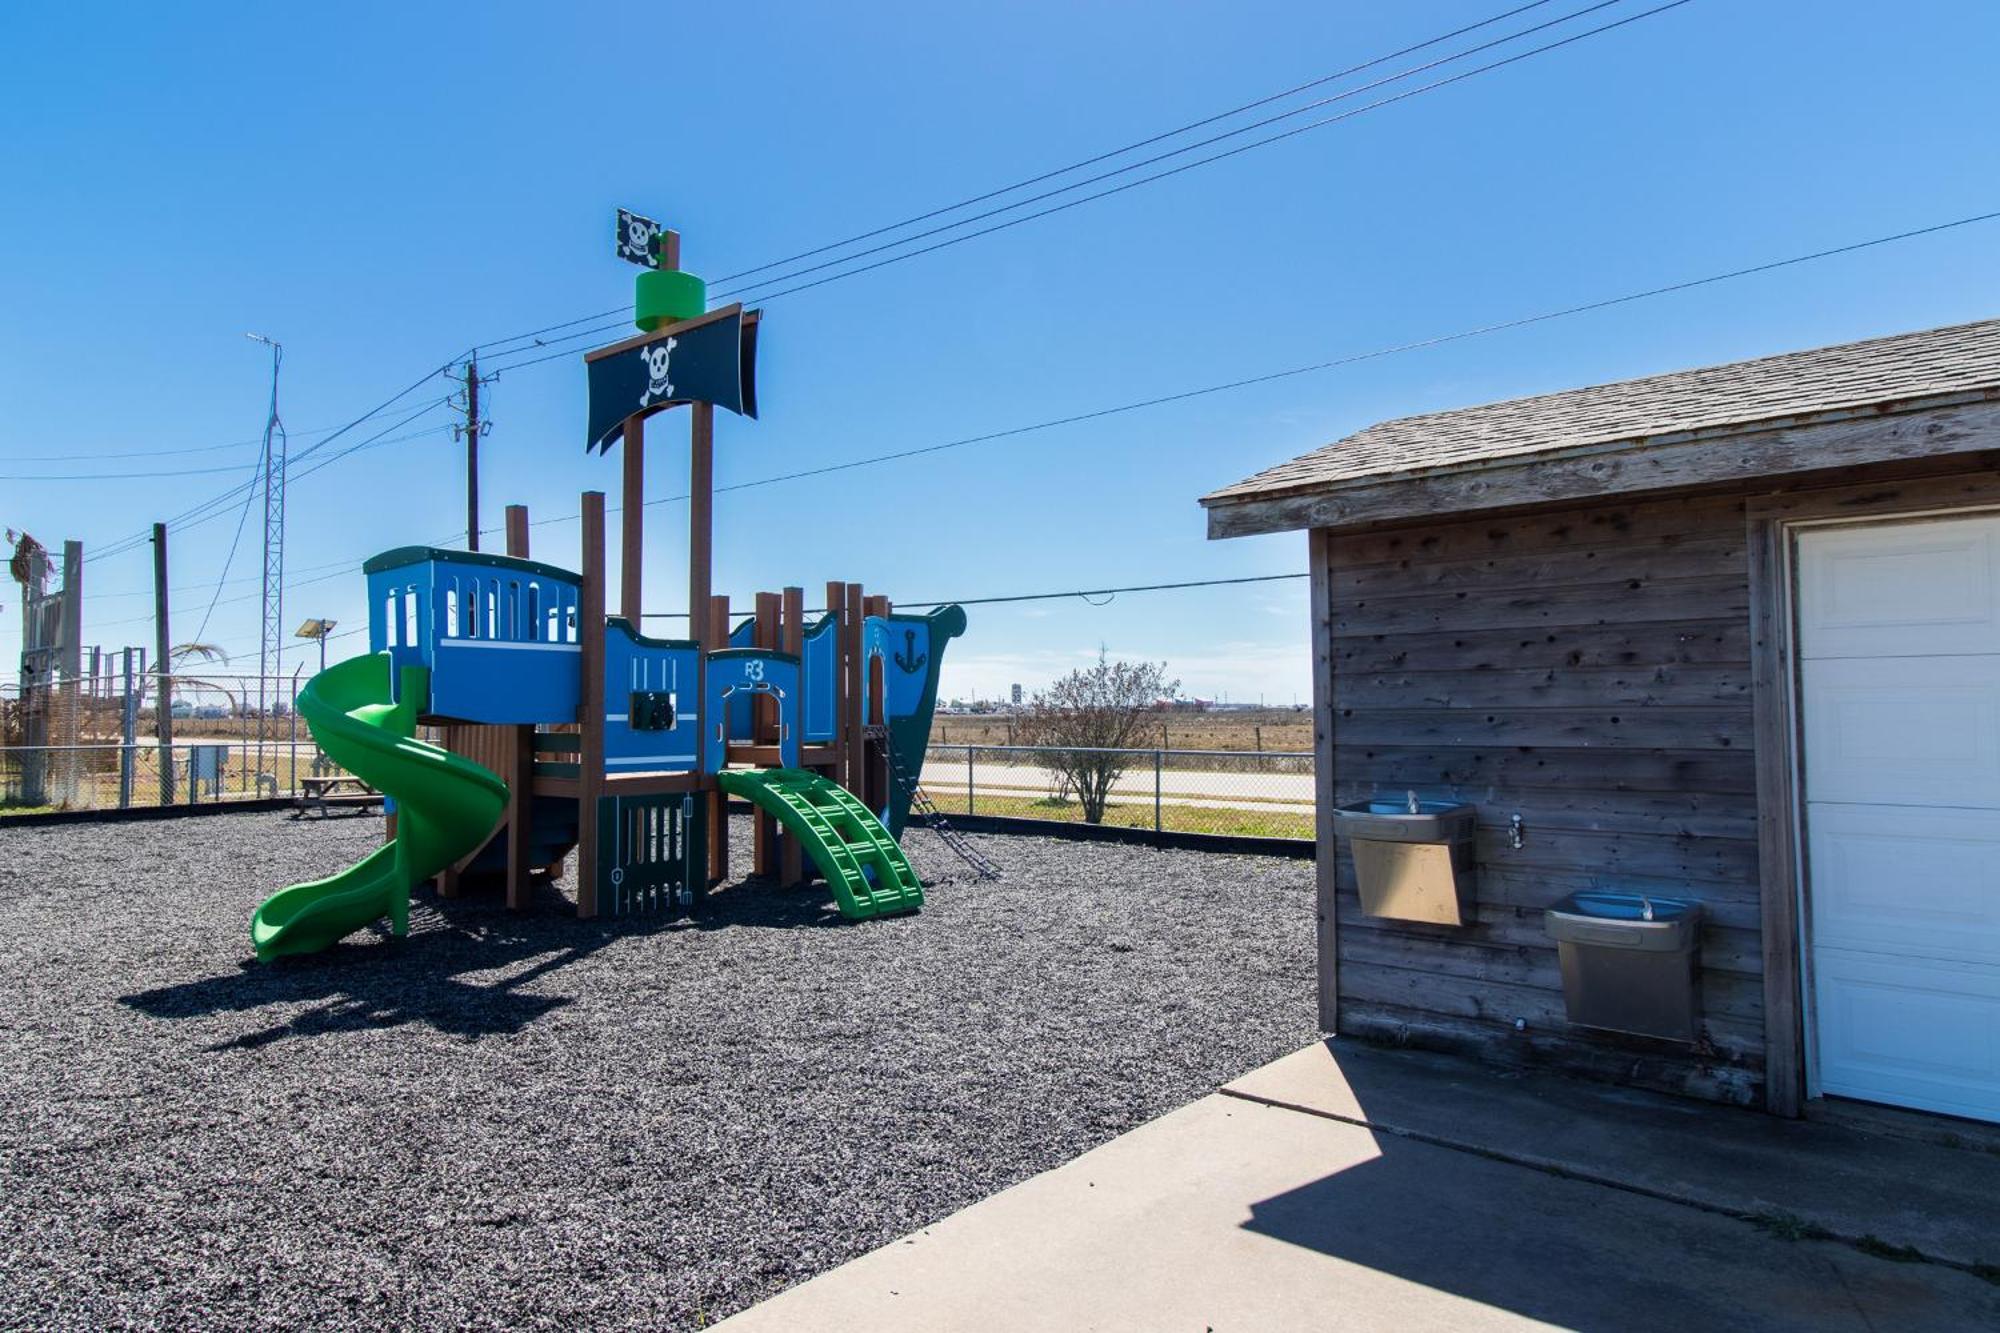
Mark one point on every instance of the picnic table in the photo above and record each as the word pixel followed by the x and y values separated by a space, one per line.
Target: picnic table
pixel 325 794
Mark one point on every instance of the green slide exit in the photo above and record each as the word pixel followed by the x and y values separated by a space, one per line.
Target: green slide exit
pixel 865 869
pixel 446 806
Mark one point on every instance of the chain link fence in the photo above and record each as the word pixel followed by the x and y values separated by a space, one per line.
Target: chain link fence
pixel 116 776
pixel 93 743
pixel 1235 793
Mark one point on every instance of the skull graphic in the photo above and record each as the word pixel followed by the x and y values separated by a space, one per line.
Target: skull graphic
pixel 659 387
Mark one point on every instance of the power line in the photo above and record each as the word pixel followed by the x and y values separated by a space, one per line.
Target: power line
pixel 1294 132
pixel 1332 363
pixel 1329 364
pixel 117 476
pixel 140 538
pixel 1085 593
pixel 152 453
pixel 1132 147
pixel 1088 593
pixel 242 516
pixel 534 337
pixel 1185 149
pixel 750 297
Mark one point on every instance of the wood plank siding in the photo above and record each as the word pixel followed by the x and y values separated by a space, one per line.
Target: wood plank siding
pixel 1589 670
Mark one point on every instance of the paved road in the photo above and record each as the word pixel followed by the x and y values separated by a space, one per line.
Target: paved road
pixel 1254 789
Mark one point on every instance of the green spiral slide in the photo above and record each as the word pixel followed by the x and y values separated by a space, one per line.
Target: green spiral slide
pixel 446 806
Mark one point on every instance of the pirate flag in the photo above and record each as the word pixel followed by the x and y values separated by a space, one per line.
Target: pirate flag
pixel 638 239
pixel 711 359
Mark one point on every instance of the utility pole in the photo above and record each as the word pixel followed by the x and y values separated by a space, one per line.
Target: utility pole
pixel 271 642
pixel 473 428
pixel 162 641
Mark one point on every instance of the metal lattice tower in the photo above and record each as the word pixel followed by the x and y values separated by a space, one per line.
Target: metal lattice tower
pixel 271 641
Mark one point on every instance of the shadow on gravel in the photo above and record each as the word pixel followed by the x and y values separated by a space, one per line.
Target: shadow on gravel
pixel 375 981
pixel 383 982
pixel 759 904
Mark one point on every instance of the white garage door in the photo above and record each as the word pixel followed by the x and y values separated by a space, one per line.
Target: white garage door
pixel 1899 638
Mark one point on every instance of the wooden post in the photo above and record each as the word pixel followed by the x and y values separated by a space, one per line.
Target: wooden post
pixel 718 808
pixel 1773 709
pixel 590 708
pixel 163 660
pixel 520 770
pixel 836 603
pixel 792 639
pixel 632 522
pixel 1319 561
pixel 857 669
pixel 701 586
pixel 701 519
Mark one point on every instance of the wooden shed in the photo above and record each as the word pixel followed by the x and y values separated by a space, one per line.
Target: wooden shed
pixel 1729 634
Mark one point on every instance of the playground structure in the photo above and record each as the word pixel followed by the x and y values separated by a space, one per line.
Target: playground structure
pixel 567 731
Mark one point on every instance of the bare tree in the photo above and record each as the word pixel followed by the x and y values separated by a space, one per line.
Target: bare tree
pixel 1087 718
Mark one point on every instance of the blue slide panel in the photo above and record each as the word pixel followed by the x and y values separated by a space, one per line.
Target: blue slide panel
pixel 746 672
pixel 498 634
pixel 904 645
pixel 822 643
pixel 640 674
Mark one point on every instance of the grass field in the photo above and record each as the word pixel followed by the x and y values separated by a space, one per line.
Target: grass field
pixel 1260 729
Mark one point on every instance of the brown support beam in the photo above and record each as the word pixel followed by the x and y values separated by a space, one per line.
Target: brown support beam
pixel 718 621
pixel 1319 565
pixel 590 708
pixel 718 812
pixel 517 531
pixel 792 639
pixel 1774 708
pixel 701 518
pixel 836 603
pixel 632 522
pixel 857 748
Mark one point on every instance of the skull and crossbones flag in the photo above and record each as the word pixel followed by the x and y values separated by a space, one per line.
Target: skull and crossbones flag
pixel 712 359
pixel 638 239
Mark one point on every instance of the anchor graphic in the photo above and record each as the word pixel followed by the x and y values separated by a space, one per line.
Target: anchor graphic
pixel 910 660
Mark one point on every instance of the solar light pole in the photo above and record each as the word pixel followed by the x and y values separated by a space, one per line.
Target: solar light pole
pixel 316 629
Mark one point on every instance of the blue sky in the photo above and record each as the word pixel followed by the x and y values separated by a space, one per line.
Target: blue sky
pixel 380 186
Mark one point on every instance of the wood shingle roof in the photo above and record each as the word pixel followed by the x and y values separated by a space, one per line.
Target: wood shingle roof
pixel 1895 373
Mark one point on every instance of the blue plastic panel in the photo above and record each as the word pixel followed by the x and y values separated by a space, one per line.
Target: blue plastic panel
pixel 822 644
pixel 500 641
pixel 904 645
pixel 743 672
pixel 634 662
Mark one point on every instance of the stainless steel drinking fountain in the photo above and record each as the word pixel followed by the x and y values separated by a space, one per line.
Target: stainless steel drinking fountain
pixel 1629 962
pixel 1414 859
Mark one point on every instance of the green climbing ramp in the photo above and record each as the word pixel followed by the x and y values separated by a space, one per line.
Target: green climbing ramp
pixel 864 867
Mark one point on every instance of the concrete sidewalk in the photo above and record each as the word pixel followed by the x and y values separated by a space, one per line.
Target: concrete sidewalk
pixel 1394 1190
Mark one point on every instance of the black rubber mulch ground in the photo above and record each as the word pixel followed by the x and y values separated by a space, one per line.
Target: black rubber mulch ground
pixel 537 1122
